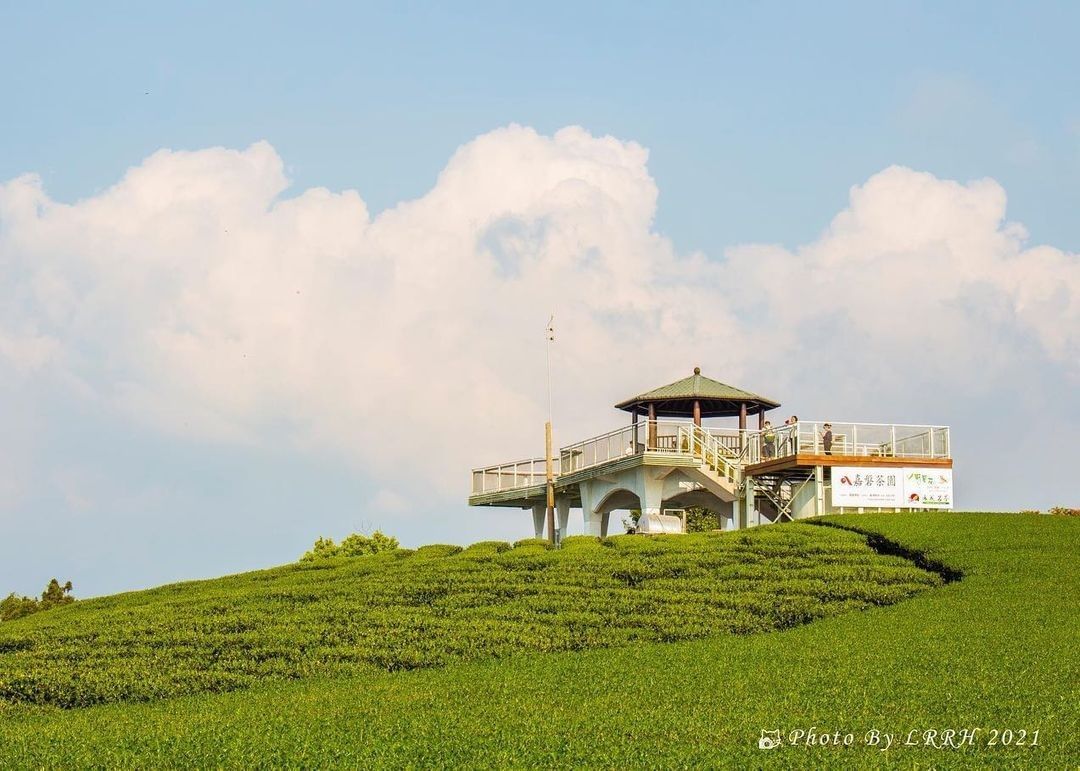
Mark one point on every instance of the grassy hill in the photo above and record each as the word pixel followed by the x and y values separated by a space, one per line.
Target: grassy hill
pixel 411 610
pixel 995 650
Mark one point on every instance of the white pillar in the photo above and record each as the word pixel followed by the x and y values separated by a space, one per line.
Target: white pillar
pixel 592 520
pixel 562 509
pixel 819 491
pixel 650 491
pixel 604 523
pixel 748 509
pixel 539 515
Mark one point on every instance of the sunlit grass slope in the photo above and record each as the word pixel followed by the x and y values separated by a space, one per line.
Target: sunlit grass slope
pixel 995 650
pixel 411 610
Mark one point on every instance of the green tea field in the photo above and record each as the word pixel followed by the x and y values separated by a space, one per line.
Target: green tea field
pixel 669 651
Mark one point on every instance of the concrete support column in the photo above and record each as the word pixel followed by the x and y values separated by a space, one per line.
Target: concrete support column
pixel 539 515
pixel 650 491
pixel 819 491
pixel 748 504
pixel 562 511
pixel 593 522
pixel 604 523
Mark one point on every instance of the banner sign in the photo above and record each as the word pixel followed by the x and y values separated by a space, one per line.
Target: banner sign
pixel 891 488
pixel 928 488
pixel 861 486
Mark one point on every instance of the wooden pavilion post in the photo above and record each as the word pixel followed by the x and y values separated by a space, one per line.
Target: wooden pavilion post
pixel 742 426
pixel 761 419
pixel 634 430
pixel 652 426
pixel 697 412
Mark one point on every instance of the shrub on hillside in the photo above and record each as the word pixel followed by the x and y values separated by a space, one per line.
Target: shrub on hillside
pixel 13 606
pixel 324 548
pixel 1063 511
pixel 486 548
pixel 438 550
pixel 358 544
pixel 579 541
pixel 355 545
pixel 541 543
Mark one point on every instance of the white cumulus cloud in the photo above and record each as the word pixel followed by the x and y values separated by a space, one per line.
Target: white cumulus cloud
pixel 201 296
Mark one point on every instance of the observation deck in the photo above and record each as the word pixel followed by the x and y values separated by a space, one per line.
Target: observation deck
pixel 854 444
pixel 746 476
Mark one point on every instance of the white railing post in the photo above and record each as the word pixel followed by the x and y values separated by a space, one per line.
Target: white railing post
pixel 854 439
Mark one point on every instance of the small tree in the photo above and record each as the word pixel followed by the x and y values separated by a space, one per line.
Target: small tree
pixel 355 545
pixel 324 548
pixel 13 606
pixel 358 544
pixel 55 594
pixel 699 520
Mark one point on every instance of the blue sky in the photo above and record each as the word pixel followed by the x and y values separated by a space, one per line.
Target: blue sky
pixel 758 121
pixel 758 117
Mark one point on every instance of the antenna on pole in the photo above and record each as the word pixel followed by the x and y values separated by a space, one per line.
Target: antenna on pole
pixel 550 333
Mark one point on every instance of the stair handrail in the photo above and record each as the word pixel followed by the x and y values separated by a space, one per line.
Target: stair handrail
pixel 712 453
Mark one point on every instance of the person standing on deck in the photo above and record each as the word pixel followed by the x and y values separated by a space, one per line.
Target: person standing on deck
pixel 826 438
pixel 792 439
pixel 768 440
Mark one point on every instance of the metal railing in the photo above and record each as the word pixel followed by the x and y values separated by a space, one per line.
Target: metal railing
pixel 718 447
pixel 728 438
pixel 660 436
pixel 725 450
pixel 707 447
pixel 884 440
pixel 601 449
pixel 511 476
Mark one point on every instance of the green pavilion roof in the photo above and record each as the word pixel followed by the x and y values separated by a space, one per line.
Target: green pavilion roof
pixel 717 399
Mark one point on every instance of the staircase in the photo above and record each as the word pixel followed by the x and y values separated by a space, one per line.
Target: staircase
pixel 718 466
pixel 779 492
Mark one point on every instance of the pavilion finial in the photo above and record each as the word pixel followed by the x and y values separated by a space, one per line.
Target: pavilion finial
pixel 697 370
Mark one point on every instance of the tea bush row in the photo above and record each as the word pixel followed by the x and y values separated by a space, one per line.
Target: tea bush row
pixel 399 610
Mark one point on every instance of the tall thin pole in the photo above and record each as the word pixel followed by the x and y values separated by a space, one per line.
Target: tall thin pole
pixel 547 437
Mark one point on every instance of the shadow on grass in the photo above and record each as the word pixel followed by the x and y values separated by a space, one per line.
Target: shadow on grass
pixel 883 545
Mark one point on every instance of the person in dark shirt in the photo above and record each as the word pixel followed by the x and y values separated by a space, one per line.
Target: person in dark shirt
pixel 826 438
